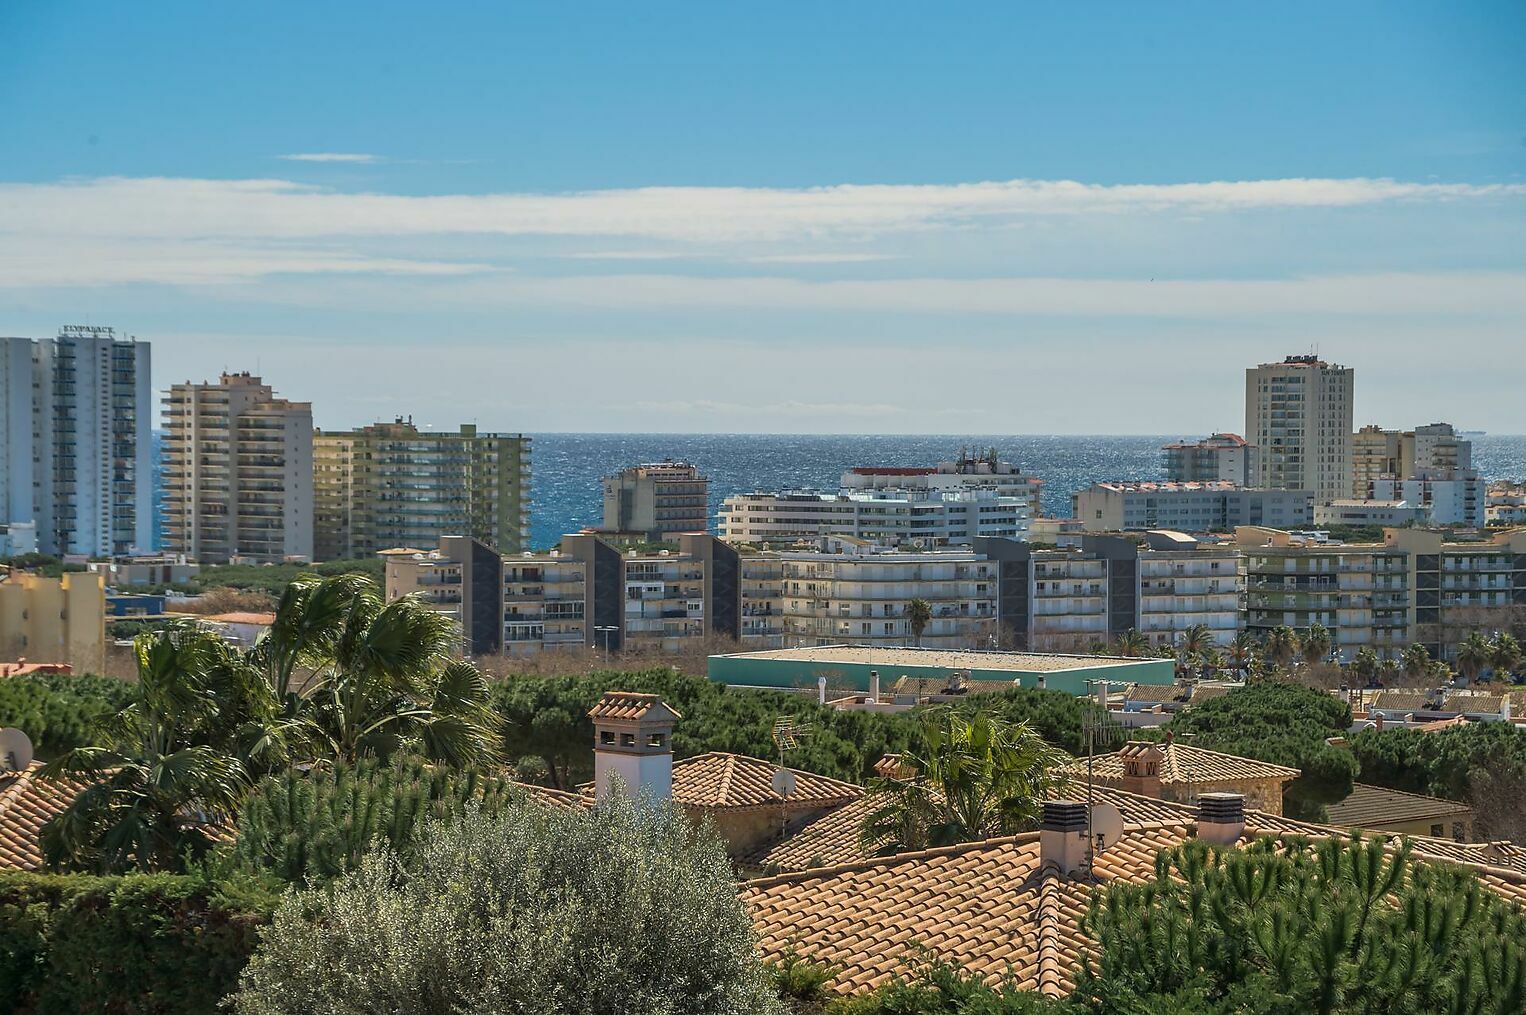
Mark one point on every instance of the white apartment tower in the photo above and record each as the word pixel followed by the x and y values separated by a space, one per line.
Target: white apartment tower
pixel 75 445
pixel 238 472
pixel 1299 414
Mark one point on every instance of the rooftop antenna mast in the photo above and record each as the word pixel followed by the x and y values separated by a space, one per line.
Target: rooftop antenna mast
pixel 788 731
pixel 1098 727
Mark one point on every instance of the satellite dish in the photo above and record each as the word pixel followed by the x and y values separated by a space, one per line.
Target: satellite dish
pixel 15 750
pixel 784 783
pixel 1107 826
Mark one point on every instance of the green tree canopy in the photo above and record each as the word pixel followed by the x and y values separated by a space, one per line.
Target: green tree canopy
pixel 1274 928
pixel 1284 723
pixel 625 908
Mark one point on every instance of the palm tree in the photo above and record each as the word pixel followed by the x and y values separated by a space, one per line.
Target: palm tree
pixel 166 776
pixel 974 775
pixel 1281 646
pixel 1504 655
pixel 1315 645
pixel 1473 655
pixel 1416 661
pixel 919 613
pixel 361 677
pixel 1365 665
pixel 1242 652
pixel 1132 643
pixel 1193 644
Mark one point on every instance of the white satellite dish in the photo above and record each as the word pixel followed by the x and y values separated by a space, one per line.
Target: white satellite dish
pixel 784 782
pixel 1107 826
pixel 15 750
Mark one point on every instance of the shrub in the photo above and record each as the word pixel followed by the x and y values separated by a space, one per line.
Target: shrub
pixel 57 711
pixel 157 944
pixel 627 908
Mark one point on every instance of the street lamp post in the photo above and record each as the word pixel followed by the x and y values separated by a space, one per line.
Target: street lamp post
pixel 604 632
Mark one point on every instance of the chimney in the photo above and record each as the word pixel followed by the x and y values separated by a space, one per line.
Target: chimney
pixel 1141 768
pixel 1062 835
pixel 633 745
pixel 874 685
pixel 821 690
pixel 1220 818
pixel 1041 683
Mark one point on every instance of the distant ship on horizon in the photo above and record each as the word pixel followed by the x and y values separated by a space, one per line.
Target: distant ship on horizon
pixel 1472 433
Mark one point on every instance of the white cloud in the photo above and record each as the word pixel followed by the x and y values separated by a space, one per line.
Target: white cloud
pixel 360 157
pixel 281 209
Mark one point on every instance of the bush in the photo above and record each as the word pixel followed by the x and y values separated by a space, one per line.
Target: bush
pixel 938 988
pixel 312 826
pixel 625 908
pixel 57 711
pixel 144 943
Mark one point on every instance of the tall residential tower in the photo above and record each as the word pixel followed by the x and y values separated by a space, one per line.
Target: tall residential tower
pixel 75 445
pixel 238 472
pixel 1299 414
pixel 393 485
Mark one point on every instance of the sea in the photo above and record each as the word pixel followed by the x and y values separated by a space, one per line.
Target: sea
pixel 566 468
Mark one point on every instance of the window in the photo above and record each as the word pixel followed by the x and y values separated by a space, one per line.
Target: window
pixel 607 737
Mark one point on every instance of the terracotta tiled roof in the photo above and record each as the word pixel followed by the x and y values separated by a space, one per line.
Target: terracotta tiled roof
pixel 26 804
pixel 833 837
pixel 628 706
pixel 1437 725
pixel 22 668
pixel 1400 700
pixel 1207 692
pixel 1182 764
pixel 1376 807
pixel 1473 701
pixel 1155 692
pixel 989 906
pixel 553 797
pixel 734 780
pixel 257 619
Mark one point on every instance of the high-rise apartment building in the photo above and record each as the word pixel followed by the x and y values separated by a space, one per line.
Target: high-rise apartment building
pixel 392 484
pixel 915 518
pixel 1298 413
pixel 1429 468
pixel 1187 507
pixel 75 445
pixel 656 502
pixel 238 472
pixel 1222 457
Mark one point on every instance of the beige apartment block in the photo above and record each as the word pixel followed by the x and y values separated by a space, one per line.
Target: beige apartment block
pixel 54 620
pixel 1298 413
pixel 238 472
pixel 658 501
pixel 392 484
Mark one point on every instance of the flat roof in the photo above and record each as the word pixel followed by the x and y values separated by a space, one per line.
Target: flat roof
pixel 949 659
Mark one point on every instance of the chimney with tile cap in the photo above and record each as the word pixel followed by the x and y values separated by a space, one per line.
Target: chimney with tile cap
pixel 1220 818
pixel 633 744
pixel 1062 835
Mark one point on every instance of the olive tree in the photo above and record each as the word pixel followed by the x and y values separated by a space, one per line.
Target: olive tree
pixel 624 908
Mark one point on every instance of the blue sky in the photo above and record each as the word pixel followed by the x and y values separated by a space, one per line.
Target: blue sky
pixel 810 217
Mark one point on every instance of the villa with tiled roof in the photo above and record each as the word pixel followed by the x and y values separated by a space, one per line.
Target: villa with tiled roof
pixel 1181 773
pixel 26 804
pixel 1378 809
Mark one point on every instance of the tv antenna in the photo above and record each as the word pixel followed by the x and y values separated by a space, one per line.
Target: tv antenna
pixel 788 731
pixel 1098 727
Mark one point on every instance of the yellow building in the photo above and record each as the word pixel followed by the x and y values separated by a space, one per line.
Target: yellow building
pixel 54 620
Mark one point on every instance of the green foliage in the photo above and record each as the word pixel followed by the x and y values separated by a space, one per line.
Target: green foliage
pixel 1444 763
pixel 48 567
pixel 1342 926
pixel 546 718
pixel 59 711
pixel 932 987
pixel 316 825
pixel 272 579
pixel 972 776
pixel 619 909
pixel 1286 724
pixel 122 630
pixel 155 944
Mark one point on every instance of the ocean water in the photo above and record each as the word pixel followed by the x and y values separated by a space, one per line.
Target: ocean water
pixel 566 468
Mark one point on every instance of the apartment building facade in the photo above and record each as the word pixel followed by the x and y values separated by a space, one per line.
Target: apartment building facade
pixel 968 472
pixel 1216 506
pixel 1457 587
pixel 1298 413
pixel 54 620
pixel 1221 457
pixel 656 502
pixel 238 472
pixel 891 517
pixel 1430 467
pixel 851 591
pixel 391 484
pixel 76 440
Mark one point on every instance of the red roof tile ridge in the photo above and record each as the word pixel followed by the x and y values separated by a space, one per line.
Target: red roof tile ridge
pixel 723 792
pixel 957 849
pixel 1051 973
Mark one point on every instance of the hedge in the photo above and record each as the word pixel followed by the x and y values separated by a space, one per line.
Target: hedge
pixel 141 944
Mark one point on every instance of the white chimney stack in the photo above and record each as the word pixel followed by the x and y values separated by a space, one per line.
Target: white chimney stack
pixel 821 690
pixel 1220 818
pixel 1062 835
pixel 633 745
pixel 874 685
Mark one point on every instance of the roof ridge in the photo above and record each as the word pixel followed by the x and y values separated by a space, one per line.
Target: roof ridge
pixel 880 861
pixel 1402 792
pixel 723 793
pixel 1050 973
